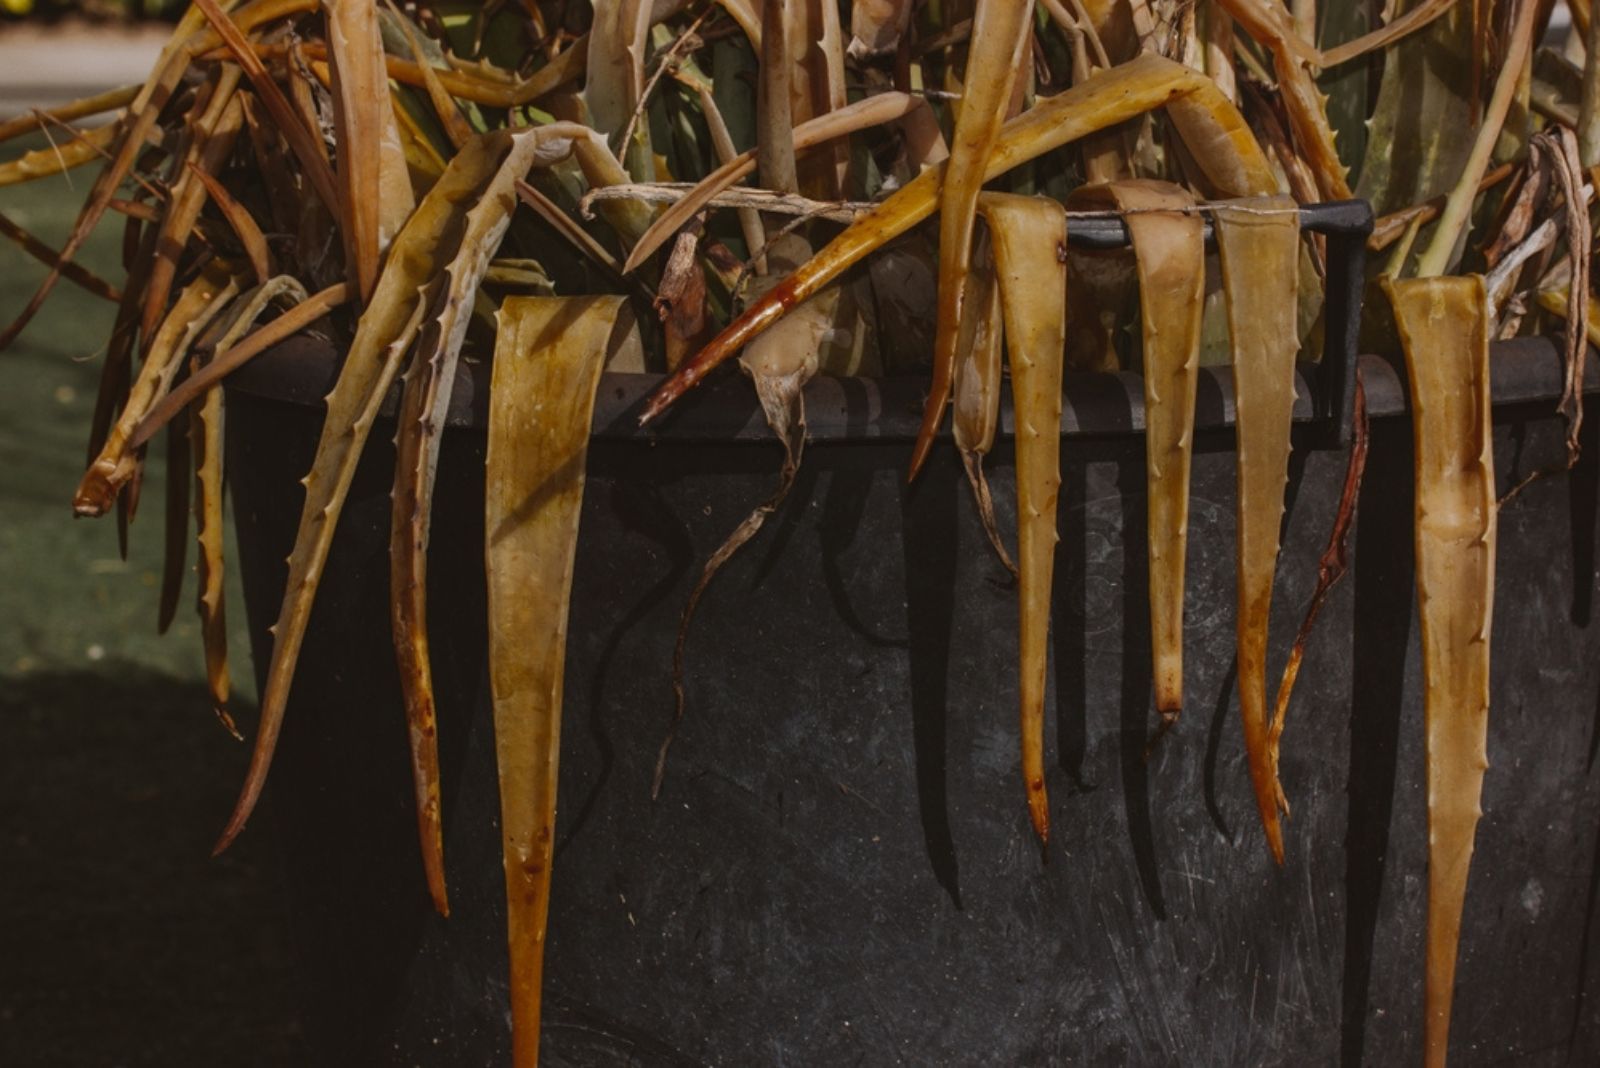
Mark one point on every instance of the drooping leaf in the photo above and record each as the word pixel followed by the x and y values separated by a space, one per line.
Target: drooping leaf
pixel 1258 244
pixel 1029 234
pixel 547 366
pixel 1169 252
pixel 1444 330
pixel 999 34
pixel 429 385
pixel 383 336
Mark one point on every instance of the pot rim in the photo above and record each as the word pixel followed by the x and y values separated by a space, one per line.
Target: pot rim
pixel 1523 371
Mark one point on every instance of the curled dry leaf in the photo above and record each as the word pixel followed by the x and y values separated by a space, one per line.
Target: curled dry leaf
pixel 548 358
pixel 1444 330
pixel 374 186
pixel 197 305
pixel 975 406
pixel 226 361
pixel 1000 30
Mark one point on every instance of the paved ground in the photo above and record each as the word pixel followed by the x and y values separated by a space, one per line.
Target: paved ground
pixel 121 943
pixel 47 65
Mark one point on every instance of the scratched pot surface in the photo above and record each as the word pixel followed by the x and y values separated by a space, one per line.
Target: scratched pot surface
pixel 840 869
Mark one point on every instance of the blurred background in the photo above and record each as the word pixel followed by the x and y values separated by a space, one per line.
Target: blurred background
pixel 122 942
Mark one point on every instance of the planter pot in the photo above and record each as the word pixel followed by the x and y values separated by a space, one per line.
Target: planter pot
pixel 840 868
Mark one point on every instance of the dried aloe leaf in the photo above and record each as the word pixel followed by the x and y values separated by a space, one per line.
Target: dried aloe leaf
pixel 382 338
pixel 206 437
pixel 243 224
pixel 1000 30
pixel 72 272
pixel 876 26
pixel 1397 27
pixel 615 76
pixel 1210 125
pixel 1270 25
pixel 1029 234
pixel 226 361
pixel 456 128
pixel 548 358
pixel 217 130
pixel 307 147
pixel 44 118
pixel 816 87
pixel 1169 252
pixel 197 305
pixel 1450 233
pixel 429 385
pixel 375 187
pixel 975 390
pixel 84 147
pixel 1444 329
pixel 1259 247
pixel 874 110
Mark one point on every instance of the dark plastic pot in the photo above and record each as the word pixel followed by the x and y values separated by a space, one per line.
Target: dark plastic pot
pixel 840 868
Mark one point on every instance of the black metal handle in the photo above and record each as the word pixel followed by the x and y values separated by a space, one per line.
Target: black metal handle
pixel 1346 224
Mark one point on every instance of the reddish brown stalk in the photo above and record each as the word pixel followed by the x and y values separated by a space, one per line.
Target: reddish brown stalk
pixel 72 272
pixel 1331 566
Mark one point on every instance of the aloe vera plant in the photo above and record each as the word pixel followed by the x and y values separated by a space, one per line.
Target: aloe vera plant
pixel 399 177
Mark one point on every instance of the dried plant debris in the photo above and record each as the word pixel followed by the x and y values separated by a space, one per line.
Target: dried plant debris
pixel 360 171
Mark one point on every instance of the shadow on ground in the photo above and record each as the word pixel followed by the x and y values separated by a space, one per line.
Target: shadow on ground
pixel 123 942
